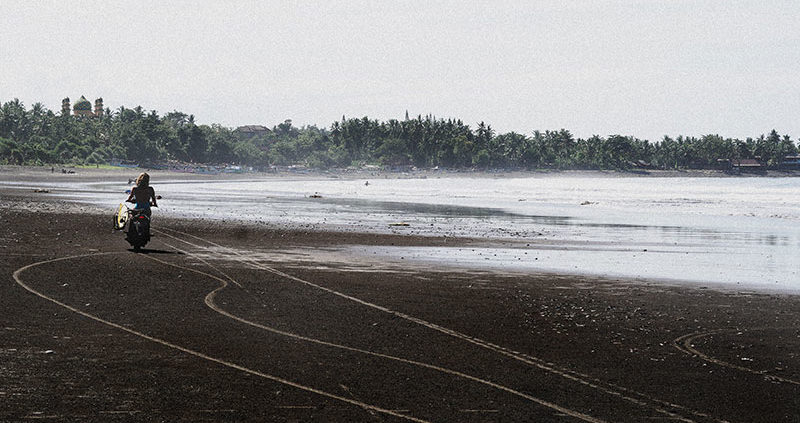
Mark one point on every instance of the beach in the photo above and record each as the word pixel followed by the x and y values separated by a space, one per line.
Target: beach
pixel 227 321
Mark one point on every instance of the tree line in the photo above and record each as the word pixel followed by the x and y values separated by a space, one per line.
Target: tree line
pixel 38 136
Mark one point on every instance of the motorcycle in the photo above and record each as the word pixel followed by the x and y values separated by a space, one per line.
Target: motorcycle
pixel 138 233
pixel 135 223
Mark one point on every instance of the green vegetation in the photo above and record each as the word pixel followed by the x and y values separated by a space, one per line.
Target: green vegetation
pixel 39 136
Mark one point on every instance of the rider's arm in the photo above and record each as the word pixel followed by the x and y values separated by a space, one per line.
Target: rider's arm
pixel 153 197
pixel 130 197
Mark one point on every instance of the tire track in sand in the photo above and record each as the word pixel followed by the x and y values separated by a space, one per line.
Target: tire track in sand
pixel 209 301
pixel 685 344
pixel 629 395
pixel 17 278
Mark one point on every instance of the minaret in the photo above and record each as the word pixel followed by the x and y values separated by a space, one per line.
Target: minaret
pixel 98 107
pixel 65 107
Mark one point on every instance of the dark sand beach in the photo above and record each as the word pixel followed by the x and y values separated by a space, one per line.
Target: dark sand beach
pixel 199 328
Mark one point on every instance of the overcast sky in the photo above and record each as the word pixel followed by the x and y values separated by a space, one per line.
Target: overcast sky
pixel 645 68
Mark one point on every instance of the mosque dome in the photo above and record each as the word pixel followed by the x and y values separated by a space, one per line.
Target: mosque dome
pixel 82 104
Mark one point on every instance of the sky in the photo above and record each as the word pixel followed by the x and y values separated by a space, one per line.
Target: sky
pixel 645 68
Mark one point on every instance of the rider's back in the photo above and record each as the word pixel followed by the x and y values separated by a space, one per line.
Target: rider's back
pixel 142 196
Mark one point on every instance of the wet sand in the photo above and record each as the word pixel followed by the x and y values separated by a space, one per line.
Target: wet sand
pixel 200 328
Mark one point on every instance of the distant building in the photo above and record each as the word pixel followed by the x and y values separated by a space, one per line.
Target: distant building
pixel 82 108
pixel 746 164
pixel 98 107
pixel 741 165
pixel 65 107
pixel 252 130
pixel 791 162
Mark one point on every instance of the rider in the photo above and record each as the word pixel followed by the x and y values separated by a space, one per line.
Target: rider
pixel 143 194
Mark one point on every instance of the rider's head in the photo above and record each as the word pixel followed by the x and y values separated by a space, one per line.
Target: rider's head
pixel 143 180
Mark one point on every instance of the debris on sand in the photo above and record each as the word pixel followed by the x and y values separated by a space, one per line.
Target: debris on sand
pixel 315 195
pixel 399 224
pixel 586 203
pixel 42 190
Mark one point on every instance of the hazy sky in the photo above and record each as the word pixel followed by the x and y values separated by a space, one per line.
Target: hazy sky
pixel 645 68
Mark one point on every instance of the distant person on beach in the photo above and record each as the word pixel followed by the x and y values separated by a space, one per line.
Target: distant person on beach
pixel 143 194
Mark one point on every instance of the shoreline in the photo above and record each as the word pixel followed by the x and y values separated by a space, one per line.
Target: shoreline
pixel 504 253
pixel 341 252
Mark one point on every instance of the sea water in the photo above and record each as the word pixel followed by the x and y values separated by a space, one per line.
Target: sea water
pixel 741 232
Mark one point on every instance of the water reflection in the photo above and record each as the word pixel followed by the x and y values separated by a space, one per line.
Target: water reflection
pixel 613 230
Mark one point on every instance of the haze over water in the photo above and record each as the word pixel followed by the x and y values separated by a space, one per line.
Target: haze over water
pixel 732 231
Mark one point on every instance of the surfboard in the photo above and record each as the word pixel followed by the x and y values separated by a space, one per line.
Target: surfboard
pixel 121 217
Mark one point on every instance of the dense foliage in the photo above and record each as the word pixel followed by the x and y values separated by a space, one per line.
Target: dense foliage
pixel 40 136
